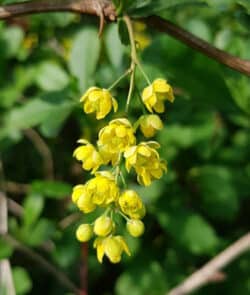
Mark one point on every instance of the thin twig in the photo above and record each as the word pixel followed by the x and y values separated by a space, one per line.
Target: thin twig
pixel 6 281
pixel 84 269
pixel 165 26
pixel 43 150
pixel 68 220
pixel 60 276
pixel 203 276
pixel 16 188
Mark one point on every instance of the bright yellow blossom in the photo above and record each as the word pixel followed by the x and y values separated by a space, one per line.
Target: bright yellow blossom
pixel 135 227
pixel 146 161
pixel 131 204
pixel 102 189
pixel 150 124
pixel 103 226
pixel 90 157
pixel 154 95
pixel 112 247
pixel 84 232
pixel 85 202
pixel 99 101
pixel 115 138
pixel 78 190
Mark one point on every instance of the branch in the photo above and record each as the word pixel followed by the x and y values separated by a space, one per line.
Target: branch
pixel 203 276
pixel 165 26
pixel 6 281
pixel 60 276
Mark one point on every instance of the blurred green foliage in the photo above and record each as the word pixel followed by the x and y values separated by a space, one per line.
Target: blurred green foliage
pixel 203 202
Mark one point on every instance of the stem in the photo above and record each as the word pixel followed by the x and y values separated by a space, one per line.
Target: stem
pixel 143 73
pixel 134 60
pixel 123 215
pixel 128 71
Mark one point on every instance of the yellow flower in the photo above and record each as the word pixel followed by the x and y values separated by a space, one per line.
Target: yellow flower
pixel 146 162
pixel 103 226
pixel 78 190
pixel 84 232
pixel 112 247
pixel 131 204
pixel 154 95
pixel 150 124
pixel 135 227
pixel 90 157
pixel 99 101
pixel 85 202
pixel 115 138
pixel 102 189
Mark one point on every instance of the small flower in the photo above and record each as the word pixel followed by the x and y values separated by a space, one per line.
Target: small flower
pixel 131 204
pixel 103 226
pixel 99 101
pixel 102 189
pixel 154 95
pixel 150 124
pixel 146 162
pixel 78 190
pixel 135 227
pixel 90 157
pixel 112 247
pixel 85 202
pixel 84 232
pixel 115 138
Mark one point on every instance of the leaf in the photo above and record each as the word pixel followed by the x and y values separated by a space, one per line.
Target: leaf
pixel 22 281
pixel 123 32
pixel 5 250
pixel 149 7
pixel 51 189
pixel 114 46
pixel 191 231
pixel 143 279
pixel 216 188
pixel 33 206
pixel 37 111
pixel 84 56
pixel 51 76
pixel 12 37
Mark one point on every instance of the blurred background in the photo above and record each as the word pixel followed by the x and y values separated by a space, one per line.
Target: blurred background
pixel 199 207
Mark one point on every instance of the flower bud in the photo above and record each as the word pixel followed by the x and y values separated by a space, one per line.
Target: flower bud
pixel 135 227
pixel 150 124
pixel 103 226
pixel 84 232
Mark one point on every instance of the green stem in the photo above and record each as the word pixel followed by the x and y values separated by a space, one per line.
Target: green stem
pixel 123 215
pixel 127 72
pixel 144 74
pixel 134 60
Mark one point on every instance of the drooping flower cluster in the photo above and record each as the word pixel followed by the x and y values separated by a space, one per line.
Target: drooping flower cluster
pixel 117 145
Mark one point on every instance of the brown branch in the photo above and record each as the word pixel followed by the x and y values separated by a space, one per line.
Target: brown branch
pixel 16 188
pixel 6 280
pixel 203 276
pixel 165 26
pixel 92 7
pixel 105 10
pixel 60 276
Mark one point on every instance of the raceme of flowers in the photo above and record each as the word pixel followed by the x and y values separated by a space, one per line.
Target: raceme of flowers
pixel 116 145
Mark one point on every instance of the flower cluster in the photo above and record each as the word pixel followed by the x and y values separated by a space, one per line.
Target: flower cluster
pixel 117 145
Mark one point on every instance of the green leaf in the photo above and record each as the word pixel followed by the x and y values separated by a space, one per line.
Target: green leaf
pixel 123 32
pixel 142 279
pixel 84 56
pixel 22 281
pixel 216 187
pixel 149 7
pixel 51 189
pixel 191 231
pixel 114 46
pixel 5 250
pixel 35 112
pixel 51 76
pixel 33 206
pixel 12 37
